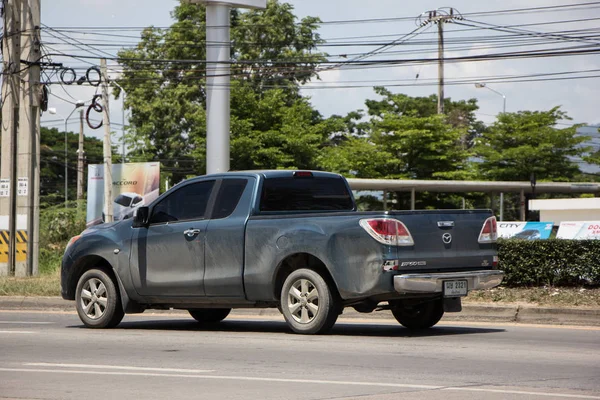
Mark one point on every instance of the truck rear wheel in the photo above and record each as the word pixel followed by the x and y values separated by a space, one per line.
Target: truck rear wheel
pixel 307 303
pixel 210 315
pixel 418 315
pixel 97 300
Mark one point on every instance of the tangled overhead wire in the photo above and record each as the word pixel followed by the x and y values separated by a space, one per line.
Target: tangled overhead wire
pixel 96 107
pixel 68 76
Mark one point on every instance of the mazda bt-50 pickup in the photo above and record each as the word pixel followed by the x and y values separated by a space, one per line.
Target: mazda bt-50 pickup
pixel 293 240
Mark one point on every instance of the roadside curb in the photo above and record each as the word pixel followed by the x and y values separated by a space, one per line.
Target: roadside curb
pixel 477 312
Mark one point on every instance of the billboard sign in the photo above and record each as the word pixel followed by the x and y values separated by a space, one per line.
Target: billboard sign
pixel 524 230
pixel 134 185
pixel 579 230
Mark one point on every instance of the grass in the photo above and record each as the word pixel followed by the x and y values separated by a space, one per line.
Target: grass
pixel 540 296
pixel 47 284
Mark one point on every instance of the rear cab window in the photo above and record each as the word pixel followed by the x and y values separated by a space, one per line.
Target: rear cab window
pixel 306 193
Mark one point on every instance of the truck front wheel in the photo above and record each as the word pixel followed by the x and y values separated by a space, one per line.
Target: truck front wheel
pixel 418 315
pixel 97 300
pixel 307 303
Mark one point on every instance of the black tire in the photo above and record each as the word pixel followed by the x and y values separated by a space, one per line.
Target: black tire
pixel 307 303
pixel 209 315
pixel 418 316
pixel 98 301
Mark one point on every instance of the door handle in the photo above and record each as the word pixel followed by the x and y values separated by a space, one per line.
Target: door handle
pixel 191 232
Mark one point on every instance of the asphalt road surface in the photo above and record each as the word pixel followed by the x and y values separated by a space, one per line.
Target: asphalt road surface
pixel 46 355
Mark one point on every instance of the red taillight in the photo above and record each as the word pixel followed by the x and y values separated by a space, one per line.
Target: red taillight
pixel 386 227
pixel 489 231
pixel 302 174
pixel 388 231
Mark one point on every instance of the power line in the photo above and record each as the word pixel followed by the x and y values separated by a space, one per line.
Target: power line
pixel 525 10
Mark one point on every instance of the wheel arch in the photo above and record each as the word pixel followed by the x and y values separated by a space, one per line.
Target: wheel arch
pixel 302 260
pixel 93 261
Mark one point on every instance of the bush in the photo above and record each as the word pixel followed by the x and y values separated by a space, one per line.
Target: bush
pixel 553 262
pixel 57 225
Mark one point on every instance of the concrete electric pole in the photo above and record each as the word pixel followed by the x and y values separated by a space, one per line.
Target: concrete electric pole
pixel 218 59
pixel 80 158
pixel 440 17
pixel 108 213
pixel 29 131
pixel 11 87
pixel 19 170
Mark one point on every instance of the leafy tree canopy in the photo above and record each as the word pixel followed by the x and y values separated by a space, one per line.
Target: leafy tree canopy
pixel 272 53
pixel 520 144
pixel 402 137
pixel 52 163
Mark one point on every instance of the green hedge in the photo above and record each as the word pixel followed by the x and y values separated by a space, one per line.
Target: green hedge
pixel 553 262
pixel 57 225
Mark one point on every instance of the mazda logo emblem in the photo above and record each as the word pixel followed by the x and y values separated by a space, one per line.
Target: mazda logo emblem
pixel 447 238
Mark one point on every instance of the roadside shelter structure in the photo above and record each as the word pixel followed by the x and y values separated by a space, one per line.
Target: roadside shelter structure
pixel 491 187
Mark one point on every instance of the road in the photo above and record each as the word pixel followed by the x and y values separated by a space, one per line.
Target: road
pixel 49 355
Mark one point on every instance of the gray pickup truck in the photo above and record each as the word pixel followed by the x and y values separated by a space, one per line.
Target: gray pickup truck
pixel 287 239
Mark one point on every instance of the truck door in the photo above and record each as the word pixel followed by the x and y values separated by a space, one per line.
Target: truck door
pixel 225 239
pixel 169 260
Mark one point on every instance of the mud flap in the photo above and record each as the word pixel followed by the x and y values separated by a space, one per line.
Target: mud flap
pixel 452 304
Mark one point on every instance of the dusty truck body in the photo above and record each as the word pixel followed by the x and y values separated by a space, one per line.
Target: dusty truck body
pixel 287 239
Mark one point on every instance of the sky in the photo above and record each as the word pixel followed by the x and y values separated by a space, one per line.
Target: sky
pixel 337 91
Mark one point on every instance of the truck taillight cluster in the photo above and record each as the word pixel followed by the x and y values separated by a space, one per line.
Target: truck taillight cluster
pixel 388 231
pixel 489 231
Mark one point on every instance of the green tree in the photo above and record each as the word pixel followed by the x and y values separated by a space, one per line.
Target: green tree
pixel 404 137
pixel 272 53
pixel 425 147
pixel 52 163
pixel 520 144
pixel 459 114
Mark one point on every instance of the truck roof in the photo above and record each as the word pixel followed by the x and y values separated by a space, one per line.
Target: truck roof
pixel 272 173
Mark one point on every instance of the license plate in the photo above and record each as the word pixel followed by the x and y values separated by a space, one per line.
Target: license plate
pixel 455 288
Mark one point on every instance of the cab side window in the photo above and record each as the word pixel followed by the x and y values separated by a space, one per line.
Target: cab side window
pixel 187 203
pixel 229 196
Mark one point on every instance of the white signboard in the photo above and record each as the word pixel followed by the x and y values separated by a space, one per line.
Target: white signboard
pixel 22 185
pixel 4 187
pixel 134 185
pixel 524 230
pixel 579 230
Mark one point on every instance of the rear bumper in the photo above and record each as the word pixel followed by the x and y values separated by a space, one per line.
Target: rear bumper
pixel 432 283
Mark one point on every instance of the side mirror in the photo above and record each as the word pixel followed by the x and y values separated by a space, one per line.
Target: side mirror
pixel 140 217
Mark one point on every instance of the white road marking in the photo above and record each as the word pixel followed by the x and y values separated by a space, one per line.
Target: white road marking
pixel 26 322
pixel 119 367
pixel 19 332
pixel 225 377
pixel 574 396
pixel 265 379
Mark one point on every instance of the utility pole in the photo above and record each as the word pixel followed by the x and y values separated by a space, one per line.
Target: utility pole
pixel 108 215
pixel 11 43
pixel 218 17
pixel 29 131
pixel 440 17
pixel 440 102
pixel 80 157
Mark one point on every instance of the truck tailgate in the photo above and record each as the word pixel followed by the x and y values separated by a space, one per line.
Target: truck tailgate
pixel 445 239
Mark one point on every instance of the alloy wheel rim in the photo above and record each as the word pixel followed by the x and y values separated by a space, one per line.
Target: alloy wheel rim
pixel 303 301
pixel 94 298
